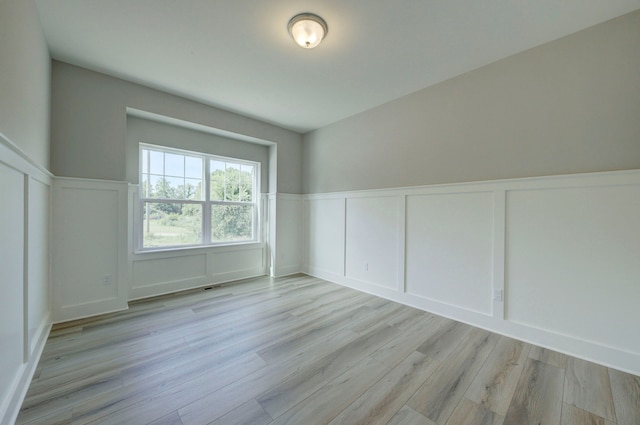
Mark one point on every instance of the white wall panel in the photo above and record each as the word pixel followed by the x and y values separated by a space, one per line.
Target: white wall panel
pixel 89 245
pixel 271 231
pixel 288 231
pixel 158 271
pixel 574 262
pixel 38 291
pixel 325 235
pixel 449 249
pixel 226 264
pixel 11 280
pixel 161 272
pixel 90 248
pixel 372 238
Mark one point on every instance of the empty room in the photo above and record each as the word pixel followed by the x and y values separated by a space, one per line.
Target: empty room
pixel 310 213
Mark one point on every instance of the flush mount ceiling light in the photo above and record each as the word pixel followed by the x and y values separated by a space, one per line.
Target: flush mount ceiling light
pixel 307 30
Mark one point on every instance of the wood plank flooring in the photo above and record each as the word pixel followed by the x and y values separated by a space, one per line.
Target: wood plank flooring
pixel 302 351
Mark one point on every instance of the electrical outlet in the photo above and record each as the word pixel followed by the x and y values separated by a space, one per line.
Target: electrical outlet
pixel 498 295
pixel 106 279
pixel 365 266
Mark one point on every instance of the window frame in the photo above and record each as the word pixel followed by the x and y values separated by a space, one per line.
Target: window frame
pixel 206 203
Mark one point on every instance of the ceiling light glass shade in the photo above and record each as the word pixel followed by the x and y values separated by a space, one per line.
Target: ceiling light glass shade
pixel 307 30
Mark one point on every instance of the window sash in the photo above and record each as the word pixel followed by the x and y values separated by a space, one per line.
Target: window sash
pixel 206 203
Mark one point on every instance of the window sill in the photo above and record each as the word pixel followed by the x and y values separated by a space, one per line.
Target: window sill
pixel 179 250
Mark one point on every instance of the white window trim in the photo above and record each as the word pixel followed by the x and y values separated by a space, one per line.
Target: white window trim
pixel 206 204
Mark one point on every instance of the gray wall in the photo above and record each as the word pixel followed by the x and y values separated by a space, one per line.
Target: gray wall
pixel 24 79
pixel 89 124
pixel 570 106
pixel 156 133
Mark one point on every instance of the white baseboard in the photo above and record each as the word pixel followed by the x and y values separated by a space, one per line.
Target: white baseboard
pixel 287 270
pixel 567 344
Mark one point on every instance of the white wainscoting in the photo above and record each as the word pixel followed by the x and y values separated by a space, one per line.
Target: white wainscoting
pixel 449 249
pixel 97 270
pixel 574 262
pixel 324 224
pixel 562 251
pixel 285 233
pixel 167 268
pixel 25 316
pixel 162 272
pixel 90 248
pixel 372 241
pixel 39 293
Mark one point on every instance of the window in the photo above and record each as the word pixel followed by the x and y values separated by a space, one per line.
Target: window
pixel 190 198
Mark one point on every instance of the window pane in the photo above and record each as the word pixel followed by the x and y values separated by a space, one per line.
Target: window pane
pixel 156 162
pixel 232 182
pixel 193 167
pixel 176 187
pixel 168 187
pixel 246 183
pixel 173 224
pixel 231 223
pixel 144 186
pixel 193 189
pixel 144 157
pixel 155 184
pixel 217 165
pixel 173 165
pixel 216 168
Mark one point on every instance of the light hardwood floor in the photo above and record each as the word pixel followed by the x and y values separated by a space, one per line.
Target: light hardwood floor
pixel 303 351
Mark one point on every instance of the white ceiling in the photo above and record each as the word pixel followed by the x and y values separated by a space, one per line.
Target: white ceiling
pixel 237 54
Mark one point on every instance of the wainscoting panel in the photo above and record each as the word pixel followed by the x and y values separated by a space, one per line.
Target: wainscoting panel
pixel 232 263
pixel 38 254
pixel 372 240
pixel 168 269
pixel 89 262
pixel 325 235
pixel 162 272
pixel 286 236
pixel 548 260
pixel 574 262
pixel 449 243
